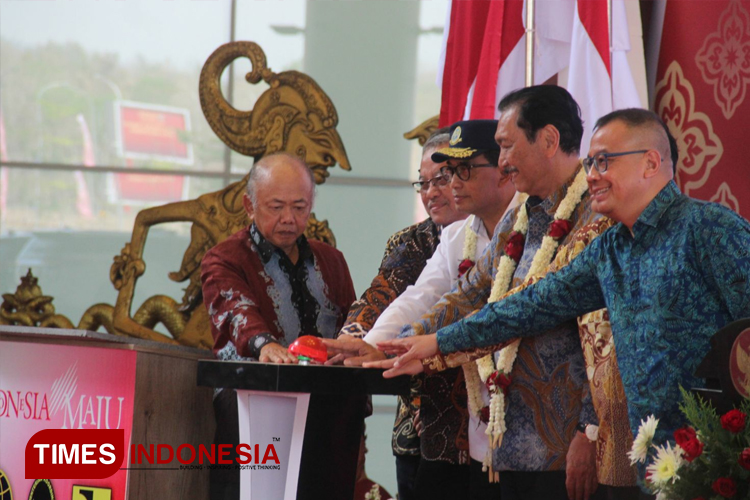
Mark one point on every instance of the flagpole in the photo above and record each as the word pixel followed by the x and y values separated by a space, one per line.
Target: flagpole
pixel 610 19
pixel 530 7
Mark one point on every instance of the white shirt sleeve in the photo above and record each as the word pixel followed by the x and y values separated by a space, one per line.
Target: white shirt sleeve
pixel 436 279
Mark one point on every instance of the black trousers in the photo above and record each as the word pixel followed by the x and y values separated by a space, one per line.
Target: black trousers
pixel 620 493
pixel 406 475
pixel 536 485
pixel 550 485
pixel 224 484
pixel 440 480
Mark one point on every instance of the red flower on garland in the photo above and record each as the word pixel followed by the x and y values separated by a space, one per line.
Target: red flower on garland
pixel 744 459
pixel 484 416
pixel 725 487
pixel 499 380
pixel 465 266
pixel 559 229
pixel 687 440
pixel 733 421
pixel 514 246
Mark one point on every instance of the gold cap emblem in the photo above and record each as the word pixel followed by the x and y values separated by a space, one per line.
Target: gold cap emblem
pixel 456 137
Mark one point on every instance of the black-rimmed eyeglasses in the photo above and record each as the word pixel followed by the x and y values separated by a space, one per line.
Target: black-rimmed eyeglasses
pixel 438 181
pixel 463 170
pixel 601 161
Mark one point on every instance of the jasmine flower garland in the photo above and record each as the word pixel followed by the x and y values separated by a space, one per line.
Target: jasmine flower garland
pixel 497 378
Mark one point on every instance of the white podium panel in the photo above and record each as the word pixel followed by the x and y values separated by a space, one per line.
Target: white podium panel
pixel 276 419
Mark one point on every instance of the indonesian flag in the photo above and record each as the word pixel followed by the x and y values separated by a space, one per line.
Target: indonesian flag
pixel 599 77
pixel 484 56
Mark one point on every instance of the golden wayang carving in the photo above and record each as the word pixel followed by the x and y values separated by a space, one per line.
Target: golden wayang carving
pixel 295 116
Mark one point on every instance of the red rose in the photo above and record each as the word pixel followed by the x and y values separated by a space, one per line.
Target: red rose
pixel 688 441
pixel 725 487
pixel 514 246
pixel 733 421
pixel 744 459
pixel 464 266
pixel 559 229
pixel 692 449
pixel 699 498
pixel 485 414
pixel 499 380
pixel 503 381
pixel 684 435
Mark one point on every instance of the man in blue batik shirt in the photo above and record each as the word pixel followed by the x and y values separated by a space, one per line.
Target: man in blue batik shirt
pixel 672 272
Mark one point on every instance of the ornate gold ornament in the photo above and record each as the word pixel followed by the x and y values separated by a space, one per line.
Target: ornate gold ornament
pixel 29 307
pixel 423 131
pixel 700 148
pixel 295 116
pixel 724 58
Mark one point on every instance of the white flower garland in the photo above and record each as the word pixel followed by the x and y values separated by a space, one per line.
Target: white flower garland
pixel 485 367
pixel 470 242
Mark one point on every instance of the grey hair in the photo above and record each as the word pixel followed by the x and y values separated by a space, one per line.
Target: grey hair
pixel 260 169
pixel 437 138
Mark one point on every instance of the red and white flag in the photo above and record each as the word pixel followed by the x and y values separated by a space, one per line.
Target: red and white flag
pixel 599 77
pixel 484 56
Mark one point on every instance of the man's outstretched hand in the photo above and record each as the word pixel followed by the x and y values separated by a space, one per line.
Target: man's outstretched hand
pixel 410 351
pixel 351 351
pixel 412 367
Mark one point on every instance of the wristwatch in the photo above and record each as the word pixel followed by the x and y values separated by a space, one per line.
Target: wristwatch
pixel 591 431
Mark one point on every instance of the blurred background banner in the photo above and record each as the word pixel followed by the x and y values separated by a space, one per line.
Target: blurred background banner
pixel 153 132
pixel 700 91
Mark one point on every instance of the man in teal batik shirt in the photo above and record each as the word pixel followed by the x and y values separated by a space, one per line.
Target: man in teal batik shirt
pixel 671 273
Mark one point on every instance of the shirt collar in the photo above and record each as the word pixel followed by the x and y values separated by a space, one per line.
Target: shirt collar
pixel 551 202
pixel 477 226
pixel 266 249
pixel 663 200
pixel 655 210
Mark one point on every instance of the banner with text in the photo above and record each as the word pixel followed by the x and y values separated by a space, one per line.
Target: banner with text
pixel 62 387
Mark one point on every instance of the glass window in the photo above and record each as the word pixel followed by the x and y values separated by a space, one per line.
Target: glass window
pixel 97 95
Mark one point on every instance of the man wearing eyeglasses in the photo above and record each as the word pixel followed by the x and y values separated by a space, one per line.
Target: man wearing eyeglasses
pixel 449 441
pixel 672 272
pixel 542 454
pixel 406 255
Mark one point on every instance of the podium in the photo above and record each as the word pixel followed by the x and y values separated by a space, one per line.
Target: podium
pixel 313 418
pixel 75 379
pixel 726 367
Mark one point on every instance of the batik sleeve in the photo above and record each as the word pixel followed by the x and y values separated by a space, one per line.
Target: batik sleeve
pixel 470 292
pixel 558 297
pixel 236 322
pixel 723 241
